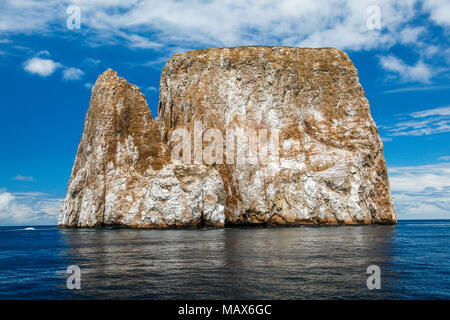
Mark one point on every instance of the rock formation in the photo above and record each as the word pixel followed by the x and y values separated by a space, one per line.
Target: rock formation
pixel 330 167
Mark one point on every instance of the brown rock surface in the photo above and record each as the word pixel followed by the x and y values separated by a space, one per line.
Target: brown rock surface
pixel 331 168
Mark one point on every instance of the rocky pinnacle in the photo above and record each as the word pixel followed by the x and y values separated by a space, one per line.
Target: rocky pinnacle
pixel 329 170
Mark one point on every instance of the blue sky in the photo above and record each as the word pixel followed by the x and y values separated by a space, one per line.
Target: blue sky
pixel 48 69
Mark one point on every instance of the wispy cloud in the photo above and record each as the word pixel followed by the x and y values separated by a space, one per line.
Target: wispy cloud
pixel 444 111
pixel 411 35
pixel 413 89
pixel 164 25
pixel 152 89
pixel 72 74
pixel 23 178
pixel 224 22
pixel 136 41
pixel 91 61
pixel 444 158
pixel 421 192
pixel 425 122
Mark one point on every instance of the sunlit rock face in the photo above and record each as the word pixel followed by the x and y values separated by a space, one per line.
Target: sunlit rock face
pixel 122 174
pixel 330 167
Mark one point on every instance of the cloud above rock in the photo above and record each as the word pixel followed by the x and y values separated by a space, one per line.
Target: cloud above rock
pixel 41 67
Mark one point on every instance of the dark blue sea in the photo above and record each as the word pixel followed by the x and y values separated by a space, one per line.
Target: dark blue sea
pixel 231 263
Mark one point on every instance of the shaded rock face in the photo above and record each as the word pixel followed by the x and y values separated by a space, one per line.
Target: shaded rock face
pixel 330 167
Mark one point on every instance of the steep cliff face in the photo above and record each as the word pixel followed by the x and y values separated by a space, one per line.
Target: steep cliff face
pixel 122 174
pixel 325 166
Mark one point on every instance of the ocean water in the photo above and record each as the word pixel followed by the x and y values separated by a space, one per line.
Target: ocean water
pixel 231 263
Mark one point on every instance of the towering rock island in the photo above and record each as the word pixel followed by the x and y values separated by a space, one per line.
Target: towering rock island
pixel 326 162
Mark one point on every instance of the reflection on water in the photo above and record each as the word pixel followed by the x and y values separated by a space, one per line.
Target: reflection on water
pixel 266 263
pixel 260 263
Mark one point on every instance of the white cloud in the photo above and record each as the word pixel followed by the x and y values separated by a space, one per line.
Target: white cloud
pixel 411 35
pixel 91 61
pixel 420 178
pixel 136 41
pixel 444 111
pixel 5 200
pixel 42 67
pixel 28 16
pixel 444 158
pixel 421 192
pixel 420 72
pixel 28 208
pixel 23 178
pixel 439 11
pixel 72 74
pixel 164 25
pixel 425 122
pixel 45 67
pixel 88 85
pixel 30 194
pixel 309 23
pixel 200 23
pixel 426 205
pixel 430 51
